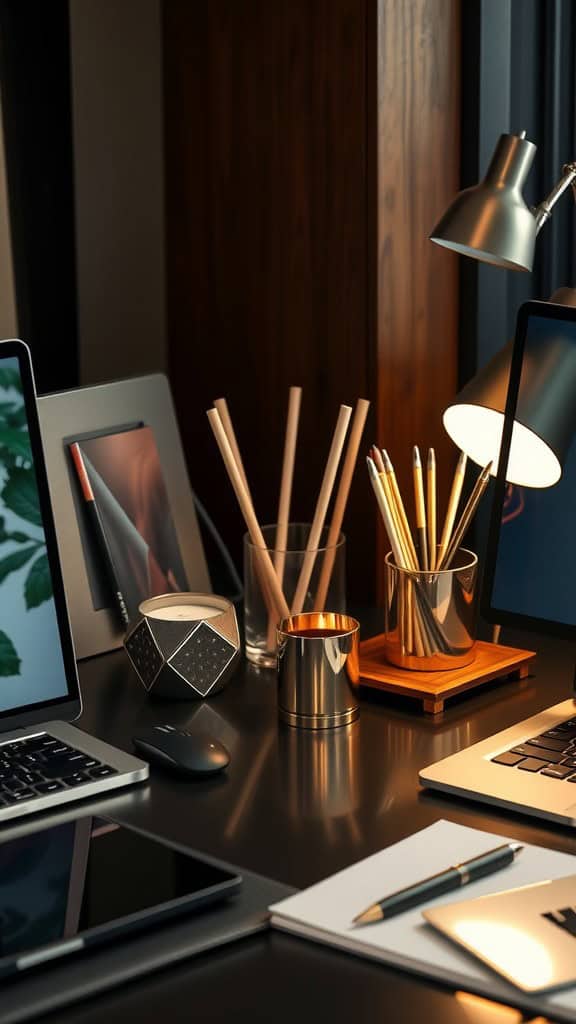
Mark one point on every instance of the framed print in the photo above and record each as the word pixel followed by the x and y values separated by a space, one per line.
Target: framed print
pixel 130 446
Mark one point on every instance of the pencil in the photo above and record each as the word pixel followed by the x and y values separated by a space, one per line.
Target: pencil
pixel 389 469
pixel 420 507
pixel 409 612
pixel 467 516
pixel 453 502
pixel 400 538
pixel 385 512
pixel 97 526
pixel 398 544
pixel 431 506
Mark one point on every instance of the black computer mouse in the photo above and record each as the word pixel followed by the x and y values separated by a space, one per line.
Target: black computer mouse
pixel 190 754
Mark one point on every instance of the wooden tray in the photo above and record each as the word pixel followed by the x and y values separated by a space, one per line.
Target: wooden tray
pixel 493 661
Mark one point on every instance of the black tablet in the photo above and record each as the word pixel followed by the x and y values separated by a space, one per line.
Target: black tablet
pixel 72 886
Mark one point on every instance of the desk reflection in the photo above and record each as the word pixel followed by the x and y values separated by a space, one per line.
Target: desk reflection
pixel 320 771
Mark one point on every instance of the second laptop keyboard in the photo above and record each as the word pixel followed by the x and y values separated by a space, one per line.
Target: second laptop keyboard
pixel 552 754
pixel 34 766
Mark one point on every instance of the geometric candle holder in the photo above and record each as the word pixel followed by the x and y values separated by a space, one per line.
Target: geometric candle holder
pixel 184 646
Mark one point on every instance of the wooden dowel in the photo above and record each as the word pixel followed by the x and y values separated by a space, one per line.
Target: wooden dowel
pixel 358 424
pixel 221 405
pixel 292 419
pixel 247 509
pixel 280 543
pixel 321 508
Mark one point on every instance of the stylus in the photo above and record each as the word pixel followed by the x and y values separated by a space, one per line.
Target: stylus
pixel 92 510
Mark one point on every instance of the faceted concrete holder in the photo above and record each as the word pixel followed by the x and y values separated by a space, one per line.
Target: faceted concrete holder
pixel 184 646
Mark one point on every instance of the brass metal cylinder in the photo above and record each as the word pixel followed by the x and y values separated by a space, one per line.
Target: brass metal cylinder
pixel 318 670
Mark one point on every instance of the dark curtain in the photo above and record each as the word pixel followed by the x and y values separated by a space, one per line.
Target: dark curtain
pixel 518 71
pixel 37 124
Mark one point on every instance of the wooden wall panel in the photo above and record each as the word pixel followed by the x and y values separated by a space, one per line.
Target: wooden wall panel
pixel 266 244
pixel 310 144
pixel 415 172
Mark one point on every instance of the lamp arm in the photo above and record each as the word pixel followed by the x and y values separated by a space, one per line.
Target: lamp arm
pixel 544 209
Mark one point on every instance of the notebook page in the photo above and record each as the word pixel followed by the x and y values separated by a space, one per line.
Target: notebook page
pixel 325 911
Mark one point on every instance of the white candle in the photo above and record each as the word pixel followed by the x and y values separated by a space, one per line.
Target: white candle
pixel 184 612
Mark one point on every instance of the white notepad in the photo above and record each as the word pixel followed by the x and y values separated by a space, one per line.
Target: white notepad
pixel 324 912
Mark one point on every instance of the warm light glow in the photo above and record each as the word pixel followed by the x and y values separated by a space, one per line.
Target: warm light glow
pixel 519 956
pixel 478 432
pixel 487 1011
pixel 184 612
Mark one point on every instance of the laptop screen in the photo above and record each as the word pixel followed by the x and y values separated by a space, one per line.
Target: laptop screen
pixel 531 565
pixel 33 620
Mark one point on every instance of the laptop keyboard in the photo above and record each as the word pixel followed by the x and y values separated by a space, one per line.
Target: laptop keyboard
pixel 552 754
pixel 40 765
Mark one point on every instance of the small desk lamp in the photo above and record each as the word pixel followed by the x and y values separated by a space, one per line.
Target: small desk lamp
pixel 492 223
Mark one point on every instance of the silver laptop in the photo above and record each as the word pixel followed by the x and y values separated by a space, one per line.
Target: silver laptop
pixel 530 582
pixel 44 761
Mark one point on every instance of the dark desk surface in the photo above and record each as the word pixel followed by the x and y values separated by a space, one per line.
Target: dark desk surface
pixel 297 806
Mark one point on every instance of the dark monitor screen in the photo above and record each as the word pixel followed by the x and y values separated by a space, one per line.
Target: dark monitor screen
pixel 530 578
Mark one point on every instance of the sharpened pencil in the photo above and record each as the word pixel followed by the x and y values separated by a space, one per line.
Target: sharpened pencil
pixel 385 511
pixel 467 516
pixel 420 507
pixel 453 502
pixel 389 469
pixel 431 506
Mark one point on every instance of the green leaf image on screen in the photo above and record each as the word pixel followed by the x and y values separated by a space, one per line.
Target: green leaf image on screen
pixel 38 585
pixel 21 496
pixel 16 441
pixel 10 378
pixel 15 561
pixel 9 660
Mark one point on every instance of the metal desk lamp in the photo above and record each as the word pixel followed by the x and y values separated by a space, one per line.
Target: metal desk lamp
pixel 491 223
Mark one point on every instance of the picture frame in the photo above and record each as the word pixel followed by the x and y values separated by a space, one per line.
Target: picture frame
pixel 100 409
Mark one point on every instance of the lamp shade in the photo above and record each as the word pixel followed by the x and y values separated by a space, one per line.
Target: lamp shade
pixel 491 221
pixel 545 420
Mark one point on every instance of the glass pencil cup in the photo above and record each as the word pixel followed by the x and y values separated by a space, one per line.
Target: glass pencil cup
pixel 324 578
pixel 430 617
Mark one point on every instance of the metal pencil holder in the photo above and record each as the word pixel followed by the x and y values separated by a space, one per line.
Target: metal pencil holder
pixel 431 616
